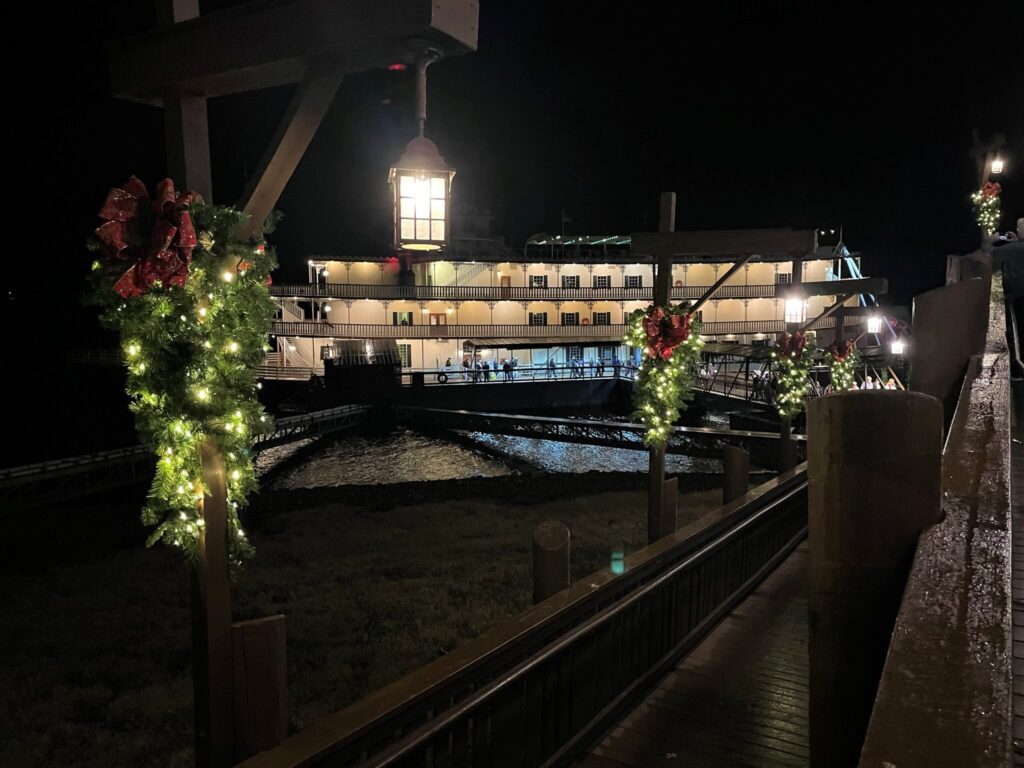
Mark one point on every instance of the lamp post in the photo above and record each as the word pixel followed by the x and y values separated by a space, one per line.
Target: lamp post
pixel 421 181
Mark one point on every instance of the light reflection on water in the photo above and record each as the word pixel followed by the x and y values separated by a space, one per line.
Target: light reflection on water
pixel 402 456
pixel 572 457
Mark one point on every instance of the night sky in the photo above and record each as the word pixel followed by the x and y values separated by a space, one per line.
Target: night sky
pixel 776 114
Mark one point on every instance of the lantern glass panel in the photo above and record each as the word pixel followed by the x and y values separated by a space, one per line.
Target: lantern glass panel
pixel 437 188
pixel 407 185
pixel 437 229
pixel 796 310
pixel 408 229
pixel 437 209
pixel 408 207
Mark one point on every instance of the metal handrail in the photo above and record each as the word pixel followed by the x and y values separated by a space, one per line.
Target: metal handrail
pixel 354 291
pixel 433 727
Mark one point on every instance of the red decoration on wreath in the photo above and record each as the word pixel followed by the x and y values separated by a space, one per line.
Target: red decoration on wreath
pixel 790 345
pixel 840 350
pixel 665 332
pixel 154 234
pixel 991 189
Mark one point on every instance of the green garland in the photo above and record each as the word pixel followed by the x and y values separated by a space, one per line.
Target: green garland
pixel 843 370
pixel 793 368
pixel 986 206
pixel 664 385
pixel 191 355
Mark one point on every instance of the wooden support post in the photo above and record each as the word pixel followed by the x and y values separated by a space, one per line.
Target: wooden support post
pixel 735 472
pixel 211 623
pixel 305 112
pixel 787 448
pixel 186 133
pixel 260 684
pixel 874 478
pixel 550 560
pixel 669 505
pixel 662 289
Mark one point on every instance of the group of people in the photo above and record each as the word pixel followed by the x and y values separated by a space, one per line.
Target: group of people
pixel 481 370
pixel 475 369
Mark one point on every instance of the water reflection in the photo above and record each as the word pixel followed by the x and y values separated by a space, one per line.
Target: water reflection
pixel 402 456
pixel 572 457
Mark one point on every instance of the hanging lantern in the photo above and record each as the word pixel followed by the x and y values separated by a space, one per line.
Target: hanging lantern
pixel 796 309
pixel 898 346
pixel 874 324
pixel 997 166
pixel 420 193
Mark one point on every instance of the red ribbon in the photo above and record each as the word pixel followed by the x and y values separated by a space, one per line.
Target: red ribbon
pixel 154 234
pixel 665 332
pixel 790 346
pixel 840 350
pixel 990 189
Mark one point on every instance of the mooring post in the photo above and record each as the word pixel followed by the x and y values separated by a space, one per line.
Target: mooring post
pixel 212 669
pixel 874 478
pixel 669 504
pixel 787 448
pixel 735 472
pixel 260 684
pixel 550 559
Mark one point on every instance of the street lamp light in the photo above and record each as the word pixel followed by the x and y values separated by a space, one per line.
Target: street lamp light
pixel 421 181
pixel 997 166
pixel 898 346
pixel 421 190
pixel 874 324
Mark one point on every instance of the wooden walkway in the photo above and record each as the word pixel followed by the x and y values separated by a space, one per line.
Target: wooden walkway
pixel 738 699
pixel 1017 500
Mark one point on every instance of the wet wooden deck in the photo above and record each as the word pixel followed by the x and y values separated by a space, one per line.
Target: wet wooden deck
pixel 1017 499
pixel 738 699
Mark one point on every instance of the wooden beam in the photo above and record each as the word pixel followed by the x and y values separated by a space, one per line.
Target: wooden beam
pixel 308 106
pixel 808 323
pixel 719 282
pixel 877 285
pixel 260 44
pixel 187 139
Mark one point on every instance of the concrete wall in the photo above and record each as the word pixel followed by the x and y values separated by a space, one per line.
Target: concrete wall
pixel 949 327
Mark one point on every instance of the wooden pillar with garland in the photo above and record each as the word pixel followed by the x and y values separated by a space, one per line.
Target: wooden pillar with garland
pixel 189 296
pixel 656 461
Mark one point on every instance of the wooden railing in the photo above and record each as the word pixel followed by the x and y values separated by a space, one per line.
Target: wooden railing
pixel 325 329
pixel 946 690
pixel 498 293
pixel 535 690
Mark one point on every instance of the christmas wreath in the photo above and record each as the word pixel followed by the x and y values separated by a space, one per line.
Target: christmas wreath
pixel 793 360
pixel 986 206
pixel 842 358
pixel 189 298
pixel 671 344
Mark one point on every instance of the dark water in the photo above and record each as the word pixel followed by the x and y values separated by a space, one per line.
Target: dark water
pixel 406 456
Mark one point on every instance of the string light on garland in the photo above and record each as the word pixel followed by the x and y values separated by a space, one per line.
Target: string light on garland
pixel 671 342
pixel 193 325
pixel 793 361
pixel 986 206
pixel 842 359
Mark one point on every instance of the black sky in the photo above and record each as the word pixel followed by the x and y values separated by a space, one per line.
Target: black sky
pixel 756 114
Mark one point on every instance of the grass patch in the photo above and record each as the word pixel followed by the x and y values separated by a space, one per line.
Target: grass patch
pixel 94 655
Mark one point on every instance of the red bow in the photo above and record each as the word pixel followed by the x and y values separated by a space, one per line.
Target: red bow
pixel 665 332
pixel 841 349
pixel 790 346
pixel 990 189
pixel 156 235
